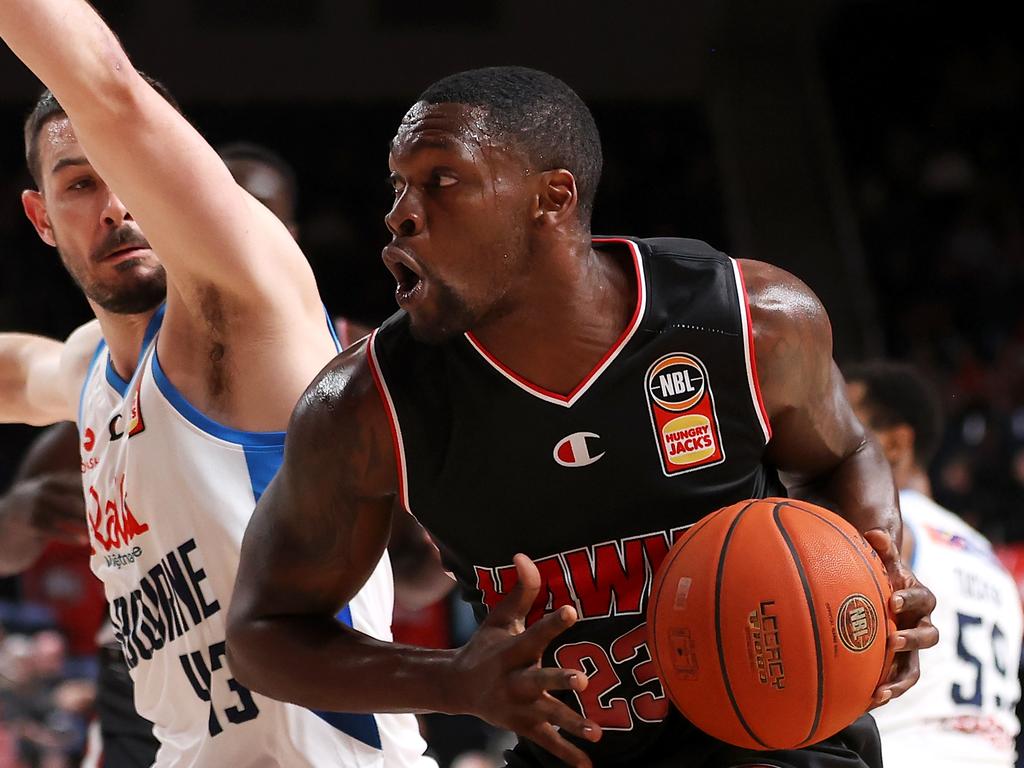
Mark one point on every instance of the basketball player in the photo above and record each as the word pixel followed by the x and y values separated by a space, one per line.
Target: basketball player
pixel 962 712
pixel 550 406
pixel 180 404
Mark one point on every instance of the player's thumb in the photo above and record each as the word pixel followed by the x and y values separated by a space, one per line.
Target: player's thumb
pixel 511 612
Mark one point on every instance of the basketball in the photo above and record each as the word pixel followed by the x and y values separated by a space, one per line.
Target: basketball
pixel 768 624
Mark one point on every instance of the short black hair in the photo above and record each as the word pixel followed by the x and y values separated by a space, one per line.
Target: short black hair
pixel 47 107
pixel 247 150
pixel 536 111
pixel 897 393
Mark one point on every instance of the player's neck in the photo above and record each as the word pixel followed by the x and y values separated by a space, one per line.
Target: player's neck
pixel 565 317
pixel 123 335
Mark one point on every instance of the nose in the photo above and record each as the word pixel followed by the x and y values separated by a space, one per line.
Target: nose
pixel 114 212
pixel 405 218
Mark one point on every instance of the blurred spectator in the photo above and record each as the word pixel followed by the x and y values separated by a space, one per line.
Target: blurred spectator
pixel 44 714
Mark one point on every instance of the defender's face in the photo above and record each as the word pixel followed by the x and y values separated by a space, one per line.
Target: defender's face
pixel 459 222
pixel 100 244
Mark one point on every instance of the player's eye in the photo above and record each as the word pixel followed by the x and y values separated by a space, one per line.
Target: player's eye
pixel 442 178
pixel 396 183
pixel 80 184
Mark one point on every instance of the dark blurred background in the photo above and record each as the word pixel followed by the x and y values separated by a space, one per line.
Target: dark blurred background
pixel 875 149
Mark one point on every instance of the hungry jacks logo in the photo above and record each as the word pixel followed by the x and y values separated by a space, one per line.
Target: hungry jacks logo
pixel 683 414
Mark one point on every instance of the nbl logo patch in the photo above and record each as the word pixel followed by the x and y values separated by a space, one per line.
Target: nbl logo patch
pixel 683 414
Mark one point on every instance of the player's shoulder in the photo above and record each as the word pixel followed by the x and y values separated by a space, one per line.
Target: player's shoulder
pixel 342 400
pixel 341 421
pixel 79 351
pixel 686 247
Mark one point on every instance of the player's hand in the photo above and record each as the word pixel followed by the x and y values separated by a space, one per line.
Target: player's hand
pixel 911 606
pixel 502 681
pixel 51 505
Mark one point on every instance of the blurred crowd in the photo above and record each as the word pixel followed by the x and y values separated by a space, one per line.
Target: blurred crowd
pixel 935 163
pixel 930 127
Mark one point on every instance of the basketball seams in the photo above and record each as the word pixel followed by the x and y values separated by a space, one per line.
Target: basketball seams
pixel 718 624
pixel 856 548
pixel 653 614
pixel 819 660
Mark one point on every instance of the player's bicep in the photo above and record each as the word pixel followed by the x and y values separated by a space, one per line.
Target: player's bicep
pixel 813 426
pixel 814 436
pixel 322 525
pixel 302 554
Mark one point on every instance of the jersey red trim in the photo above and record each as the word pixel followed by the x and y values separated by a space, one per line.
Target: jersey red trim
pixel 752 355
pixel 579 390
pixel 396 429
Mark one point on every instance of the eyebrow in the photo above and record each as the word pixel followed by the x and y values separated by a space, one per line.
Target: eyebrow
pixel 64 162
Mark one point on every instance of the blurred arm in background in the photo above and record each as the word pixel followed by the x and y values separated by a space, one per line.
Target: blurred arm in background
pixel 45 500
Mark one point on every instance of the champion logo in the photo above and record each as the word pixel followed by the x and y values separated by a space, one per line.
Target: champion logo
pixel 573 450
pixel 90 439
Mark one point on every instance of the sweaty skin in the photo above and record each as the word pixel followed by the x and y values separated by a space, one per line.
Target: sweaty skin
pixel 549 309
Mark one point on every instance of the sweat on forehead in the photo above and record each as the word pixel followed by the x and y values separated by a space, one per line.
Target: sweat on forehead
pixel 532 111
pixel 444 123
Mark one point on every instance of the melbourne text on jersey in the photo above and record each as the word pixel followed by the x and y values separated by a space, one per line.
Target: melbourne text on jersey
pixel 166 604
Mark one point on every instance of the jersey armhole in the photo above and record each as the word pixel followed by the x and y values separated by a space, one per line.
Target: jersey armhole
pixel 750 354
pixel 396 427
pixel 88 376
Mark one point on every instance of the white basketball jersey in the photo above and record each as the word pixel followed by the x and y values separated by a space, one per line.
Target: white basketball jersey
pixel 168 495
pixel 960 713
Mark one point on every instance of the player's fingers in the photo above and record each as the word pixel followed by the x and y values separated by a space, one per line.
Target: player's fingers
pixel 533 682
pixel 512 610
pixel 922 636
pixel 567 720
pixel 908 672
pixel 546 737
pixel 530 645
pixel 912 605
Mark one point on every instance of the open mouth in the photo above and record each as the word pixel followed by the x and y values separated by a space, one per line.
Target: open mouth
pixel 409 280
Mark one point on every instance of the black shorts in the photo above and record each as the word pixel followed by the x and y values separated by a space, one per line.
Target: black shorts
pixel 857 746
pixel 128 740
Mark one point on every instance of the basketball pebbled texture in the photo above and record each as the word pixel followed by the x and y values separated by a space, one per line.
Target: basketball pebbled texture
pixel 768 622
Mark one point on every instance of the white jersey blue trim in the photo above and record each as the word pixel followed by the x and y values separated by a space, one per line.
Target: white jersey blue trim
pixel 166 544
pixel 264 454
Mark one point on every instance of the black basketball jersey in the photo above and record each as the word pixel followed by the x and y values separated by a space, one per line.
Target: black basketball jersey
pixel 594 485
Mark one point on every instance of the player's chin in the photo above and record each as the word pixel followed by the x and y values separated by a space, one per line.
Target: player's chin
pixel 430 330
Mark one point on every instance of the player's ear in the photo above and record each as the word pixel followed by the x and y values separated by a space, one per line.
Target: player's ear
pixel 898 444
pixel 557 198
pixel 35 208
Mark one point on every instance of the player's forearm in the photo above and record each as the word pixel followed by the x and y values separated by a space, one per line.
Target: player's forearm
pixel 20 545
pixel 28 367
pixel 316 662
pixel 69 47
pixel 860 488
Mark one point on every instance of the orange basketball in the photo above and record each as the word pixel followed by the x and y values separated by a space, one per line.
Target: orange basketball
pixel 768 622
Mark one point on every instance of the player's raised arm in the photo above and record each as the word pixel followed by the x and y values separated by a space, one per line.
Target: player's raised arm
pixel 40 377
pixel 821 449
pixel 316 536
pixel 205 228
